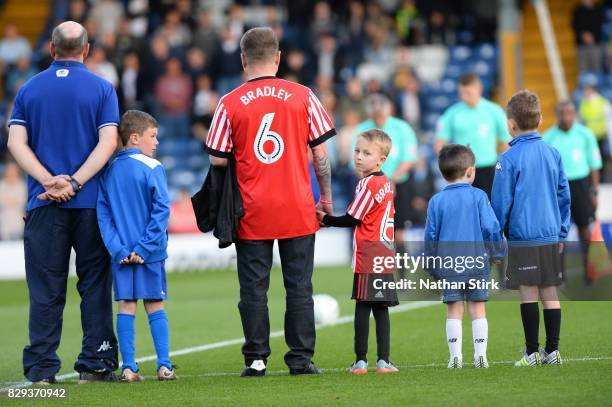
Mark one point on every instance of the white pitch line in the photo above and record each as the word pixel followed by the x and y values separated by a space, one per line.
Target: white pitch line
pixel 346 369
pixel 230 342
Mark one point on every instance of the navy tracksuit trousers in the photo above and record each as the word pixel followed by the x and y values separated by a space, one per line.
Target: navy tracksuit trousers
pixel 50 233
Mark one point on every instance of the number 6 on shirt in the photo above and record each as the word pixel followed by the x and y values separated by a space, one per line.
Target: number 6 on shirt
pixel 264 134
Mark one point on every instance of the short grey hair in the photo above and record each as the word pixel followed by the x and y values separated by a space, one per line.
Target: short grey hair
pixel 259 45
pixel 68 46
pixel 377 102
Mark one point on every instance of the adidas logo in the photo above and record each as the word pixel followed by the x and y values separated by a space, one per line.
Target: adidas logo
pixel 379 295
pixel 105 346
pixel 452 340
pixel 479 340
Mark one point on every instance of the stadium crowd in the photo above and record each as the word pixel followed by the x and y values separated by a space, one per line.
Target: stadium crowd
pixel 174 59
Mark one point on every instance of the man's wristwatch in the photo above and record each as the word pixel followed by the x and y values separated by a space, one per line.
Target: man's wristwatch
pixel 76 187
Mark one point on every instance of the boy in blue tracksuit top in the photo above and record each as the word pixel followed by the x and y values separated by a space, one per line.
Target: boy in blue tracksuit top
pixel 531 199
pixel 133 211
pixel 461 224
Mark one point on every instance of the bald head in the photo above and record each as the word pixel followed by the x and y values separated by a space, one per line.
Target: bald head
pixel 69 40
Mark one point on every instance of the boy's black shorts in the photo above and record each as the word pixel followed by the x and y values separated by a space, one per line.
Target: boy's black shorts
pixel 402 205
pixel 534 266
pixel 582 209
pixel 484 179
pixel 364 289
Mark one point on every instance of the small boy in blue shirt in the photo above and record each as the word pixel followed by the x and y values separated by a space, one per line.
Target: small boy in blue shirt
pixel 133 211
pixel 531 199
pixel 461 224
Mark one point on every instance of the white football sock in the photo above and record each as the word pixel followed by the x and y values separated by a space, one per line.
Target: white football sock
pixel 480 333
pixel 454 337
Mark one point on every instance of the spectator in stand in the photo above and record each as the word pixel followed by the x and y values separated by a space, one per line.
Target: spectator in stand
pixel 485 13
pixel 379 52
pixel 197 63
pixel 587 21
pixel 596 114
pixel 204 103
pixel 153 64
pixel 44 57
pixel 205 37
pixel 107 15
pixel 18 76
pixel 295 67
pixel 173 91
pixel 92 30
pixel 139 14
pixel 408 23
pixel 352 34
pixel 342 144
pixel 77 11
pixel 353 100
pixel 130 92
pixel 13 46
pixel 174 31
pixel 438 29
pixel 323 22
pixel 98 64
pixel 13 199
pixel 377 19
pixel 182 219
pixel 341 157
pixel 228 64
pixel 125 42
pixel 235 21
pixel 407 98
pixel 185 11
pixel 328 61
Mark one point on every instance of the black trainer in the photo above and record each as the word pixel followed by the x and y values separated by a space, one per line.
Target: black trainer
pixel 308 369
pixel 257 368
pixel 88 377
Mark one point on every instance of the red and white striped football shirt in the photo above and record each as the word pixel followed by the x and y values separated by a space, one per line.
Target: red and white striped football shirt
pixel 373 206
pixel 267 124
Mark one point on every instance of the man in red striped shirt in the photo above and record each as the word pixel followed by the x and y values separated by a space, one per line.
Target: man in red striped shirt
pixel 267 126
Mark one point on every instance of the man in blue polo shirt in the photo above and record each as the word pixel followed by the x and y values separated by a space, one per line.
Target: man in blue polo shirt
pixel 63 130
pixel 478 123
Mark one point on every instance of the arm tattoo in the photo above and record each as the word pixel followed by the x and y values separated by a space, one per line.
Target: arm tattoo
pixel 322 168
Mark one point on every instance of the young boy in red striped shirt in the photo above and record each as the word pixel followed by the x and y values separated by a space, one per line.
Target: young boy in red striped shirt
pixel 371 214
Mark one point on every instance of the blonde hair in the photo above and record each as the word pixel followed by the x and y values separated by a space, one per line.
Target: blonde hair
pixel 380 138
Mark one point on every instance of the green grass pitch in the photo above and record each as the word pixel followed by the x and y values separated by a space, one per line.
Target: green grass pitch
pixel 202 309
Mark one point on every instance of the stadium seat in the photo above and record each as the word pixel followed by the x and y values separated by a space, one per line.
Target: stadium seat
pixel 197 161
pixel 607 92
pixel 590 78
pixel 448 85
pixel 430 121
pixel 465 37
pixel 486 52
pixel 460 53
pixel 169 162
pixel 429 61
pixel 455 70
pixel 182 179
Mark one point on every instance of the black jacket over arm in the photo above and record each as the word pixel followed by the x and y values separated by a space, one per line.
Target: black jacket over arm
pixel 218 205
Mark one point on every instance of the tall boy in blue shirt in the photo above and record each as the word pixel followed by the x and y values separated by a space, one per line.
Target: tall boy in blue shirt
pixel 461 224
pixel 133 212
pixel 531 199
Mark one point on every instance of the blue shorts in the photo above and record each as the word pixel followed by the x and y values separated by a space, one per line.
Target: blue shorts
pixel 475 294
pixel 140 281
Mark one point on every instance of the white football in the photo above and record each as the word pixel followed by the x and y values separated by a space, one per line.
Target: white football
pixel 326 309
